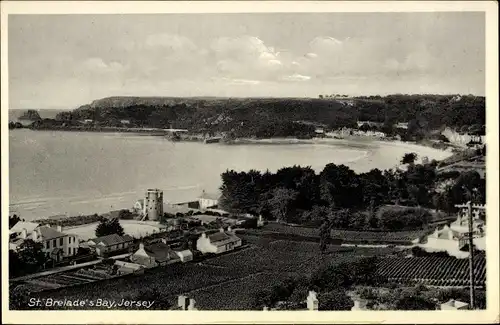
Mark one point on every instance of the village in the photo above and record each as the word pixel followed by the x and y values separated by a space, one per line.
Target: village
pixel 197 231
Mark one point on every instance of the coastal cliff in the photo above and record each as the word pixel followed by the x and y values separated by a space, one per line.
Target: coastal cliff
pixel 273 117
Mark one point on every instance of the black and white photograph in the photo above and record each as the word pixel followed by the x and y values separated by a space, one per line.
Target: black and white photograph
pixel 272 161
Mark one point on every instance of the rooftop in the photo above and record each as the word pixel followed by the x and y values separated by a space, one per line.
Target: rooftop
pixel 160 251
pixel 112 239
pixel 49 233
pixel 20 225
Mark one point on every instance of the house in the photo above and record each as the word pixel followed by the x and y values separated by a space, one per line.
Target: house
pixel 454 305
pixel 153 255
pixel 454 237
pixel 125 122
pixel 20 225
pixel 55 243
pixel 139 207
pixel 110 244
pixel 218 242
pixel 208 201
pixel 185 255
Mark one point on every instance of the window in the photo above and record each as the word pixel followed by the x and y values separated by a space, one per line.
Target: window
pixel 70 239
pixel 54 243
pixel 61 241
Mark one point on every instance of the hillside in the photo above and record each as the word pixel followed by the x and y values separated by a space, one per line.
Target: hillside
pixel 263 117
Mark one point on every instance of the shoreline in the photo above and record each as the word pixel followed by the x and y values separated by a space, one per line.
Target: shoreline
pixel 156 132
pixel 368 144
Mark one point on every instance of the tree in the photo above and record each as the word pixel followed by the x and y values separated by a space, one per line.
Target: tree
pixel 109 227
pixel 335 300
pixel 340 187
pixel 31 256
pixel 281 204
pixel 414 302
pixel 409 158
pixel 125 214
pixel 324 234
pixel 19 296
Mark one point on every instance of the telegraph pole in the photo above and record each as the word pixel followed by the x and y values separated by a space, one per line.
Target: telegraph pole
pixel 469 208
pixel 471 254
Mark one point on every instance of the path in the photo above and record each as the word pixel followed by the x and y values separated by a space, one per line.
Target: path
pixel 63 269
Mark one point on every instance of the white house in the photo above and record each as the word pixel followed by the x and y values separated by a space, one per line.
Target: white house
pixel 110 244
pixel 208 200
pixel 139 207
pixel 455 236
pixel 218 242
pixel 55 243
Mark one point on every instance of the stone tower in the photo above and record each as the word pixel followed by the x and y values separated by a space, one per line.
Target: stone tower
pixel 154 204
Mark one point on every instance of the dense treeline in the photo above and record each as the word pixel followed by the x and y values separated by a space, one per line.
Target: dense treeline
pixel 266 117
pixel 349 200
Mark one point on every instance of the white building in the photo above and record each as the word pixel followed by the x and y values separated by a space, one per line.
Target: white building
pixel 218 242
pixel 56 243
pixel 185 255
pixel 455 236
pixel 462 139
pixel 207 201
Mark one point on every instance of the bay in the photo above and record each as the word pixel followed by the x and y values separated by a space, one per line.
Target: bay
pixel 53 173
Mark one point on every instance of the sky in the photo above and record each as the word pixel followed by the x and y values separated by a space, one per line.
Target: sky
pixel 64 61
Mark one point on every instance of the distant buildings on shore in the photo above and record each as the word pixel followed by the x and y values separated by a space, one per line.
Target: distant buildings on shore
pixel 463 139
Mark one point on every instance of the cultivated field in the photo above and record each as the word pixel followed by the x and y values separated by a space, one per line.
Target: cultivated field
pixel 224 281
pixel 437 271
pixel 349 236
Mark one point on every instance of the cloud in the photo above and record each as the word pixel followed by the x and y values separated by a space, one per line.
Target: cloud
pixel 244 56
pixel 236 82
pixel 296 77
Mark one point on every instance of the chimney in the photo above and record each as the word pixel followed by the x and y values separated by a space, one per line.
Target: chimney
pixel 229 229
pixel 24 233
pixel 34 235
pixel 164 240
pixel 182 302
pixel 141 245
pixel 191 305
pixel 59 228
pixel 221 229
pixel 312 301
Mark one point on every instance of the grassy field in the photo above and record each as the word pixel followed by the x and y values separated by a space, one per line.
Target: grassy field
pixel 223 282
